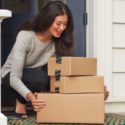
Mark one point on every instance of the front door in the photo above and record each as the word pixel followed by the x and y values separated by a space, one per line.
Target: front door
pixel 23 10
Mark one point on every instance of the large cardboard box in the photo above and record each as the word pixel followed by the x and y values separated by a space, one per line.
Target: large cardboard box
pixel 71 108
pixel 80 84
pixel 70 66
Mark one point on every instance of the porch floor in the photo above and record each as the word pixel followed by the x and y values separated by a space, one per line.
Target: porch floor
pixel 6 110
pixel 29 108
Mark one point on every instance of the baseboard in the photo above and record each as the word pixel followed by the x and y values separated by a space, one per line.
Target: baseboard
pixel 115 107
pixel 3 119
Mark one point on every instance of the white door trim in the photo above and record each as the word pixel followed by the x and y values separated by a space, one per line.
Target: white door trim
pixel 3 14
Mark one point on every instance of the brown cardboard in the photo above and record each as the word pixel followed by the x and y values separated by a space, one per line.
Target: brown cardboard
pixel 73 66
pixel 80 84
pixel 71 108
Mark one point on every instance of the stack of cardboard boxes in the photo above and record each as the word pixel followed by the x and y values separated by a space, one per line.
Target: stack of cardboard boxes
pixel 78 93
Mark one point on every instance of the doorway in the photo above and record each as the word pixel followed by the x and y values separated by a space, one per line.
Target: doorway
pixel 23 10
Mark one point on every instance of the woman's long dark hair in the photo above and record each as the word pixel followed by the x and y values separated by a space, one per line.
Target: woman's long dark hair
pixel 41 23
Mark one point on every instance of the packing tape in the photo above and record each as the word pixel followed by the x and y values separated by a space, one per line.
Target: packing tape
pixel 57 74
pixel 58 60
pixel 56 89
pixel 58 78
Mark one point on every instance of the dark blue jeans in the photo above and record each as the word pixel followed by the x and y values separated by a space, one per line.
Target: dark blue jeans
pixel 34 79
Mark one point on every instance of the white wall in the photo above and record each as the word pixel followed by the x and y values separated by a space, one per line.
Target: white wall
pixel 118 48
pixel 106 41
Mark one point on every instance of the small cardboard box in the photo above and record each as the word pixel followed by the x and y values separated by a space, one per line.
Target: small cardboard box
pixel 71 108
pixel 81 84
pixel 70 66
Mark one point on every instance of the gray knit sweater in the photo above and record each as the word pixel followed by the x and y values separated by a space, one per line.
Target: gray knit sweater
pixel 28 52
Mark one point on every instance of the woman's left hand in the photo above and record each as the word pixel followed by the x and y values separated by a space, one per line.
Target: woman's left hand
pixel 106 93
pixel 37 104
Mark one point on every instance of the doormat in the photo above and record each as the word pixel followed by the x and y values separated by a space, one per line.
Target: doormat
pixel 109 120
pixel 12 112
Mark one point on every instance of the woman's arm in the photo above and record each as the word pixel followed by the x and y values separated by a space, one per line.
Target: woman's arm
pixel 20 50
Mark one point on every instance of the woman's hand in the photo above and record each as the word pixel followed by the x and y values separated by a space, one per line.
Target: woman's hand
pixel 106 93
pixel 37 104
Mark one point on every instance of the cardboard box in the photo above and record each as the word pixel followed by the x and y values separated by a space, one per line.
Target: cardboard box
pixel 71 108
pixel 81 84
pixel 69 66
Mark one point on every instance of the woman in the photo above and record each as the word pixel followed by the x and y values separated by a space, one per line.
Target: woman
pixel 50 33
pixel 25 71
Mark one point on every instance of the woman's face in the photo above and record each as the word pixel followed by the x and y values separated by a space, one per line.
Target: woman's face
pixel 59 25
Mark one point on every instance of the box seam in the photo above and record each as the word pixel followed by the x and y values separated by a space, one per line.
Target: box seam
pixel 71 65
pixel 64 85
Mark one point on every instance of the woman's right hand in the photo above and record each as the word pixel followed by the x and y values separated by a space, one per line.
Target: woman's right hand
pixel 37 104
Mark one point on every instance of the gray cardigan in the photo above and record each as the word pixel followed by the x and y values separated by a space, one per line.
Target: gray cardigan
pixel 28 52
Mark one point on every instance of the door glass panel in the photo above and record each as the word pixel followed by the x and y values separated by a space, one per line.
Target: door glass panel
pixel 42 3
pixel 17 6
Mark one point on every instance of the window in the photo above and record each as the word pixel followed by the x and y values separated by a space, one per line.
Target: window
pixel 42 3
pixel 17 6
